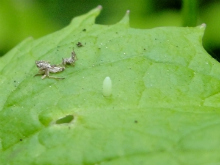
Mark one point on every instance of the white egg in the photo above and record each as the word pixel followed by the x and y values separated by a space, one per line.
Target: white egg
pixel 107 87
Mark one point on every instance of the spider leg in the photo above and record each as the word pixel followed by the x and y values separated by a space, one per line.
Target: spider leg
pixel 43 76
pixel 39 73
pixel 56 77
pixel 46 74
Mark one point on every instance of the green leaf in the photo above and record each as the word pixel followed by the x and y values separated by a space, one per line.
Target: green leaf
pixel 164 106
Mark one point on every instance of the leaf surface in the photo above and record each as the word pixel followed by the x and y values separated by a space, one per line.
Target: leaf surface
pixel 164 107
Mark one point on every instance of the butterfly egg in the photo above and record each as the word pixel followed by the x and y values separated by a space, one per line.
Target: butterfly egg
pixel 107 87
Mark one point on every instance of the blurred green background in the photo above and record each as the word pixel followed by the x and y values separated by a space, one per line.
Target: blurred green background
pixel 20 19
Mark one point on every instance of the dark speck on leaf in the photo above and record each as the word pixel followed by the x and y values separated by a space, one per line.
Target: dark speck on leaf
pixel 21 139
pixel 136 121
pixel 84 30
pixel 79 44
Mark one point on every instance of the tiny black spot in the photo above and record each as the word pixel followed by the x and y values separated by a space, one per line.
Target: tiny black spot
pixel 136 121
pixel 66 119
pixel 84 30
pixel 15 81
pixel 144 49
pixel 79 44
pixel 21 139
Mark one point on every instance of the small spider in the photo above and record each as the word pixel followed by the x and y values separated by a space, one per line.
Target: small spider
pixel 70 60
pixel 45 69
